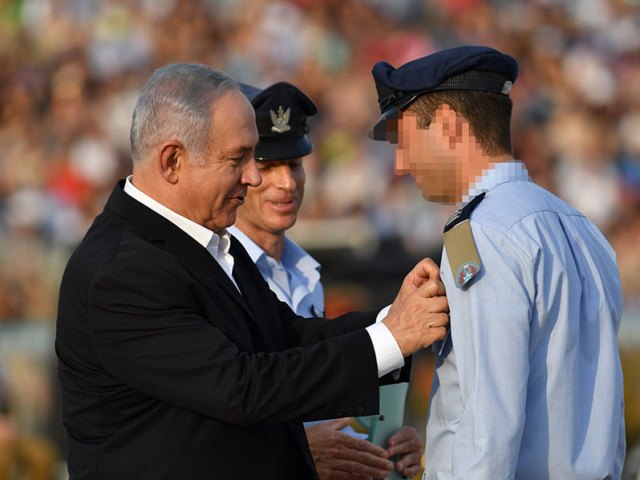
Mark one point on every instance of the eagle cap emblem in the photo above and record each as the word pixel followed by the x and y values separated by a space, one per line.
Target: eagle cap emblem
pixel 280 120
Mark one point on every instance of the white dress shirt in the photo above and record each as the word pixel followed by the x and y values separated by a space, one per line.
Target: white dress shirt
pixel 217 245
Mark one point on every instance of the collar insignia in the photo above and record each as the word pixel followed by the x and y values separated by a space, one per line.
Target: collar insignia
pixel 280 120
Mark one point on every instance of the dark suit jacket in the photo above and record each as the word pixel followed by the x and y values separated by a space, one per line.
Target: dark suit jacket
pixel 167 372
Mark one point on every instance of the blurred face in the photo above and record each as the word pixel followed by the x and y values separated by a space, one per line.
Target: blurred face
pixel 432 156
pixel 211 193
pixel 272 208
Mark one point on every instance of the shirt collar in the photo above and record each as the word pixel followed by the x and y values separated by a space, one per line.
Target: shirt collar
pixel 252 248
pixel 293 255
pixel 499 173
pixel 202 235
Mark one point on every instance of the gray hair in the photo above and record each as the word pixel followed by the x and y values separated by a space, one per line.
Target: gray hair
pixel 176 104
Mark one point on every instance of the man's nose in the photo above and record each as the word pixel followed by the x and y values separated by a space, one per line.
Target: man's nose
pixel 285 178
pixel 251 175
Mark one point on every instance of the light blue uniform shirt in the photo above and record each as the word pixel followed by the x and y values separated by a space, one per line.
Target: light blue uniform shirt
pixel 302 290
pixel 529 385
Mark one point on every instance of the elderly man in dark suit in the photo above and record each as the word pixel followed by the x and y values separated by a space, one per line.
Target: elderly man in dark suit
pixel 176 361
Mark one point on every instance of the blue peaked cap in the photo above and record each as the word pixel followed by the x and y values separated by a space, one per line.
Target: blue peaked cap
pixel 287 106
pixel 460 68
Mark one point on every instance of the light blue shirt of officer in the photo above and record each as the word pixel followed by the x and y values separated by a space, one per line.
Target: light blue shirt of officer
pixel 529 385
pixel 295 279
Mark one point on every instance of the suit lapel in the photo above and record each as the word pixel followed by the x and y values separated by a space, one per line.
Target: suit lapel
pixel 255 300
pixel 160 231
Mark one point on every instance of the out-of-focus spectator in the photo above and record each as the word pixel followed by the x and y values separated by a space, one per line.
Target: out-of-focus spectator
pixel 22 455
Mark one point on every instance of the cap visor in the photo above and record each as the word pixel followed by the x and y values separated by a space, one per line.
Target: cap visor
pixel 283 149
pixel 386 128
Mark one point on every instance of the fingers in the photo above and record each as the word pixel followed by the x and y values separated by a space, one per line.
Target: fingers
pixel 424 273
pixel 361 469
pixel 425 269
pixel 363 449
pixel 402 436
pixel 350 471
pixel 404 441
pixel 407 446
pixel 420 318
pixel 439 317
pixel 431 288
pixel 365 458
pixel 337 424
pixel 435 334
pixel 339 455
pixel 358 462
pixel 430 301
pixel 409 464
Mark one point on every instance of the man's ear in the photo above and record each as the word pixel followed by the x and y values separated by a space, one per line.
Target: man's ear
pixel 451 124
pixel 171 159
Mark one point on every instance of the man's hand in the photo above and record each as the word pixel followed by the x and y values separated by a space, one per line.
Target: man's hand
pixel 418 319
pixel 407 446
pixel 425 270
pixel 338 455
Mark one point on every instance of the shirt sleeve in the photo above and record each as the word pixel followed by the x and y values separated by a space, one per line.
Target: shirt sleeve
pixel 388 354
pixel 382 314
pixel 490 335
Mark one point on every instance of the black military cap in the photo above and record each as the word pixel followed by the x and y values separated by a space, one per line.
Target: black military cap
pixel 281 118
pixel 460 68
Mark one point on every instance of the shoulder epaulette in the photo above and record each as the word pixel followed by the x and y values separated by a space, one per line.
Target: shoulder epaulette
pixel 461 249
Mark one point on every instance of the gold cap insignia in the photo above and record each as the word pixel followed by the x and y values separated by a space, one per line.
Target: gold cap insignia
pixel 280 120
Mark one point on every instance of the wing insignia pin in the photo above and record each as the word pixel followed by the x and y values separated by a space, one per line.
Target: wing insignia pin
pixel 280 120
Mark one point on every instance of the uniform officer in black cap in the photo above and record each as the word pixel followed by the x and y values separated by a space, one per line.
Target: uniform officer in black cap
pixel 528 381
pixel 268 212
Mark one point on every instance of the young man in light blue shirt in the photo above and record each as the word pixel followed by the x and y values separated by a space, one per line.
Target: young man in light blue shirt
pixel 528 382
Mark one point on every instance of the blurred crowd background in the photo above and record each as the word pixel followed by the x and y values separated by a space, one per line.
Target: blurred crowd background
pixel 70 72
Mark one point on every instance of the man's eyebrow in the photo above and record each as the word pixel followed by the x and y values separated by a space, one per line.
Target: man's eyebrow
pixel 238 149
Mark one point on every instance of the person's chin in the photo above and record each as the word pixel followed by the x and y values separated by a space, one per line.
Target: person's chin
pixel 231 218
pixel 282 222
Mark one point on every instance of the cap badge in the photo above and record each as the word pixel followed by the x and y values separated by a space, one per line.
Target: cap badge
pixel 506 88
pixel 280 120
